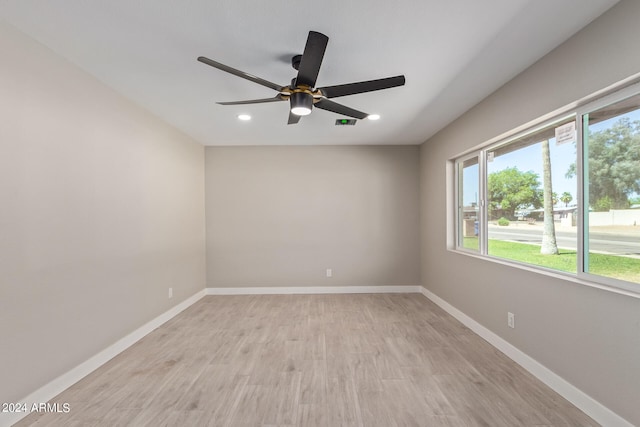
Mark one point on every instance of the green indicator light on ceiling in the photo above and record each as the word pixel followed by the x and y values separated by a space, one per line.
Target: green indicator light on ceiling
pixel 345 122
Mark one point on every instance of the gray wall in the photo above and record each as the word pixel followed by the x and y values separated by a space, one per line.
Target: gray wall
pixel 588 336
pixel 280 216
pixel 102 210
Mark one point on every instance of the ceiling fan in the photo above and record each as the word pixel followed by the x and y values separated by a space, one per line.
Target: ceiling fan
pixel 302 93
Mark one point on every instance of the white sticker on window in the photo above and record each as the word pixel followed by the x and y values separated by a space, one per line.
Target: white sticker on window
pixel 566 133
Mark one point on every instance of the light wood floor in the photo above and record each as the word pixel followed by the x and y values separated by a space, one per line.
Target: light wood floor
pixel 312 360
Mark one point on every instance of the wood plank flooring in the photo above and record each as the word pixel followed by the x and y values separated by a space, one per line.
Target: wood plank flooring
pixel 315 361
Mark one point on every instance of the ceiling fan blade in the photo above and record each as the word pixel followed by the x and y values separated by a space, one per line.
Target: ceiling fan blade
pixel 312 59
pixel 253 101
pixel 293 118
pixel 325 104
pixel 361 87
pixel 231 70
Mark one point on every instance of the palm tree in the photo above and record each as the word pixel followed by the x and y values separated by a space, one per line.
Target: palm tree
pixel 549 245
pixel 554 198
pixel 566 198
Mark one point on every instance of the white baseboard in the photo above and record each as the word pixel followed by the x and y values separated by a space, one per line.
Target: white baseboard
pixel 63 382
pixel 584 402
pixel 283 290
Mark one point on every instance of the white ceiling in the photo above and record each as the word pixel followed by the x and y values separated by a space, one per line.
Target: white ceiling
pixel 453 54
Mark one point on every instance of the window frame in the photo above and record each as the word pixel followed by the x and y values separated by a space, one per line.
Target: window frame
pixel 459 235
pixel 583 190
pixel 577 110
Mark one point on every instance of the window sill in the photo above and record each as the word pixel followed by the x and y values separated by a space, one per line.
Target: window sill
pixel 551 273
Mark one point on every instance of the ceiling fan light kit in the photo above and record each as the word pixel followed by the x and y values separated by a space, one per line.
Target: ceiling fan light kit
pixel 302 93
pixel 301 103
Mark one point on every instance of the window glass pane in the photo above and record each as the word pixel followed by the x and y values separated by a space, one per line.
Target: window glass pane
pixel 612 190
pixel 469 189
pixel 532 219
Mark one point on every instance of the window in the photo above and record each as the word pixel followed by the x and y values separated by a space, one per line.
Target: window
pixel 611 152
pixel 468 192
pixel 562 196
pixel 524 223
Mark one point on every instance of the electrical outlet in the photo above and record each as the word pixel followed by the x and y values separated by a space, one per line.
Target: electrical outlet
pixel 511 319
pixel 170 292
pixel 329 272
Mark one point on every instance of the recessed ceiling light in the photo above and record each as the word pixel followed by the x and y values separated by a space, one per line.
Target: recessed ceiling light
pixel 373 116
pixel 244 117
